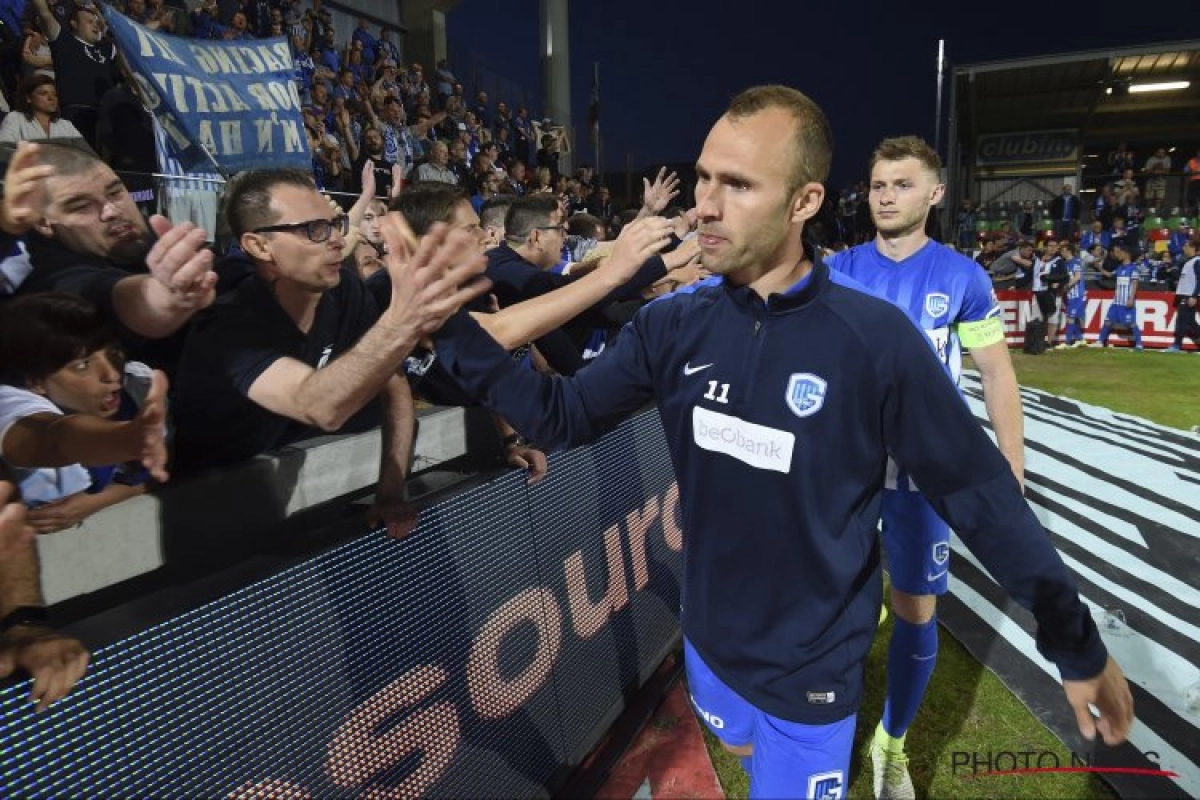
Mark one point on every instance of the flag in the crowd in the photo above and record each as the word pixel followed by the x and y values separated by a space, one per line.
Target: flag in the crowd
pixel 232 104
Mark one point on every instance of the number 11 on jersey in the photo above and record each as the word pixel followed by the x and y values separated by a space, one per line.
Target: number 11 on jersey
pixel 721 395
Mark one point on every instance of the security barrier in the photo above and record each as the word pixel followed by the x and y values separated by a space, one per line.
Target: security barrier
pixel 483 656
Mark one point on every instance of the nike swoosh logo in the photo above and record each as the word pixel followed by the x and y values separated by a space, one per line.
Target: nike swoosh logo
pixel 923 658
pixel 688 369
pixel 929 577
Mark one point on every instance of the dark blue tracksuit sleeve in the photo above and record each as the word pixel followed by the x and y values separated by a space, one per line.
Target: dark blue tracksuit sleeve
pixel 652 269
pixel 931 433
pixel 553 411
pixel 594 316
pixel 560 352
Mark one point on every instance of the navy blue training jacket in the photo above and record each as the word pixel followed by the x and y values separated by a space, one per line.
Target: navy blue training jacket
pixel 779 417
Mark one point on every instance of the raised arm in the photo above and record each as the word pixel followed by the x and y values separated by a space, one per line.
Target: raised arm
pixel 24 189
pixel 657 195
pixel 359 209
pixel 343 125
pixel 30 56
pixel 56 440
pixel 49 21
pixel 533 318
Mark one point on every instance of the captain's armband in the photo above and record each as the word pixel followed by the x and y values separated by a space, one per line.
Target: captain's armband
pixel 981 333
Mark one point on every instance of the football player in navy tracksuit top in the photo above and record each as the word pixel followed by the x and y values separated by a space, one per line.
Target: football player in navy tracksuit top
pixel 783 390
pixel 948 297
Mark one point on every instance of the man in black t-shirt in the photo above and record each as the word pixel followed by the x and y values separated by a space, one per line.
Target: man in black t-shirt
pixel 85 235
pixel 372 150
pixel 299 347
pixel 84 64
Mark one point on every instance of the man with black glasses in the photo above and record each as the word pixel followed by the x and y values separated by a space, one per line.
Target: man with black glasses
pixel 299 348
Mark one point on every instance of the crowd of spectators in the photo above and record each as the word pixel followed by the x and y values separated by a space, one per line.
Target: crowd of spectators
pixel 312 317
pixel 1118 242
pixel 362 103
pixel 1118 214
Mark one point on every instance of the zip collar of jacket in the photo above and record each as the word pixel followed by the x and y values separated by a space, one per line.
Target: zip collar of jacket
pixel 801 294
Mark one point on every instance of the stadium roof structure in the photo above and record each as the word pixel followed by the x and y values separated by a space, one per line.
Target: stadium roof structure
pixel 1100 93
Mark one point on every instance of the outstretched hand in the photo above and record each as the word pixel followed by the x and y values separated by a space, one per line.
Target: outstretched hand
pixel 432 278
pixel 368 180
pixel 181 261
pixel 685 223
pixel 639 240
pixel 657 195
pixel 24 194
pixel 397 181
pixel 150 427
pixel 683 255
pixel 1109 693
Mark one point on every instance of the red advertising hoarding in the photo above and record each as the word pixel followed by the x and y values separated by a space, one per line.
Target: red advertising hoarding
pixel 1155 314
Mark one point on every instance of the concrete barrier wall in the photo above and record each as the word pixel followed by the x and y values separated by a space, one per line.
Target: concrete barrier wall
pixel 134 537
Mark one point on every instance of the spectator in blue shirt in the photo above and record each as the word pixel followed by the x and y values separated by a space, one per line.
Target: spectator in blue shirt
pixel 1095 236
pixel 384 48
pixel 367 43
pixel 329 54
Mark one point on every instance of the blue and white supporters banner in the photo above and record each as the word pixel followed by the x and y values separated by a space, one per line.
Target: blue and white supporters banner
pixel 235 99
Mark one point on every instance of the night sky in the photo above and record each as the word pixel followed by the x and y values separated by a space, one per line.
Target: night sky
pixel 668 69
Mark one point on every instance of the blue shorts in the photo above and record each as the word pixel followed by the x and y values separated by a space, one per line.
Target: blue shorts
pixel 1077 309
pixel 1121 315
pixel 790 759
pixel 917 543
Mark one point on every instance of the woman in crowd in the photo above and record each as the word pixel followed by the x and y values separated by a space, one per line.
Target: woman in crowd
pixel 64 387
pixel 38 117
pixel 543 181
